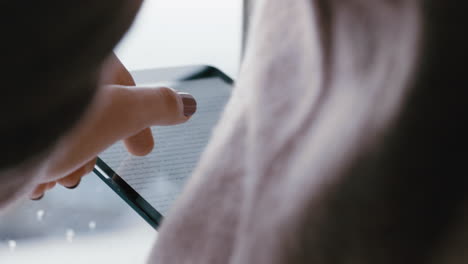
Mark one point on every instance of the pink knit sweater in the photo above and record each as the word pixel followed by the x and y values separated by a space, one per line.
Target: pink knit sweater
pixel 307 164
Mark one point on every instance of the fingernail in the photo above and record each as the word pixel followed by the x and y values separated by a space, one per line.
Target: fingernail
pixel 38 198
pixel 73 187
pixel 190 105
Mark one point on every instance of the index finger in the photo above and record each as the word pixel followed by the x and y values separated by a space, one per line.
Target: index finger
pixel 117 113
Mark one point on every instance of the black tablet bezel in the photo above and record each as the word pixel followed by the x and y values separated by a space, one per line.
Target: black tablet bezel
pixel 111 178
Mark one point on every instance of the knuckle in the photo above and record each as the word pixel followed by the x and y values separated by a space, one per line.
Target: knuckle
pixel 166 93
pixel 170 100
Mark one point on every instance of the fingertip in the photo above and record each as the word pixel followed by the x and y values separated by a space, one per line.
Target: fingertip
pixel 140 151
pixel 74 186
pixel 72 180
pixel 37 198
pixel 38 192
pixel 140 144
pixel 189 104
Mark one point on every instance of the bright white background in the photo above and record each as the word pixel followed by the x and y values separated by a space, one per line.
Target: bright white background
pixel 166 33
pixel 181 32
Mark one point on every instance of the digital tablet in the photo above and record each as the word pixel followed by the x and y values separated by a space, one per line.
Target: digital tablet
pixel 152 183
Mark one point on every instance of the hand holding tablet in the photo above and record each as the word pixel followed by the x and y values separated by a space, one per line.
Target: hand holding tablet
pixel 151 184
pixel 116 113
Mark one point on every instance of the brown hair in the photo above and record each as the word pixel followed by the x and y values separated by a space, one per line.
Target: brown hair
pixel 54 52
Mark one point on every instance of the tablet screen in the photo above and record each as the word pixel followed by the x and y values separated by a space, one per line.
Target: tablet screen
pixel 160 176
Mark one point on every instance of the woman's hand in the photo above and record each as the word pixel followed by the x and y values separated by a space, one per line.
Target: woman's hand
pixel 118 112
